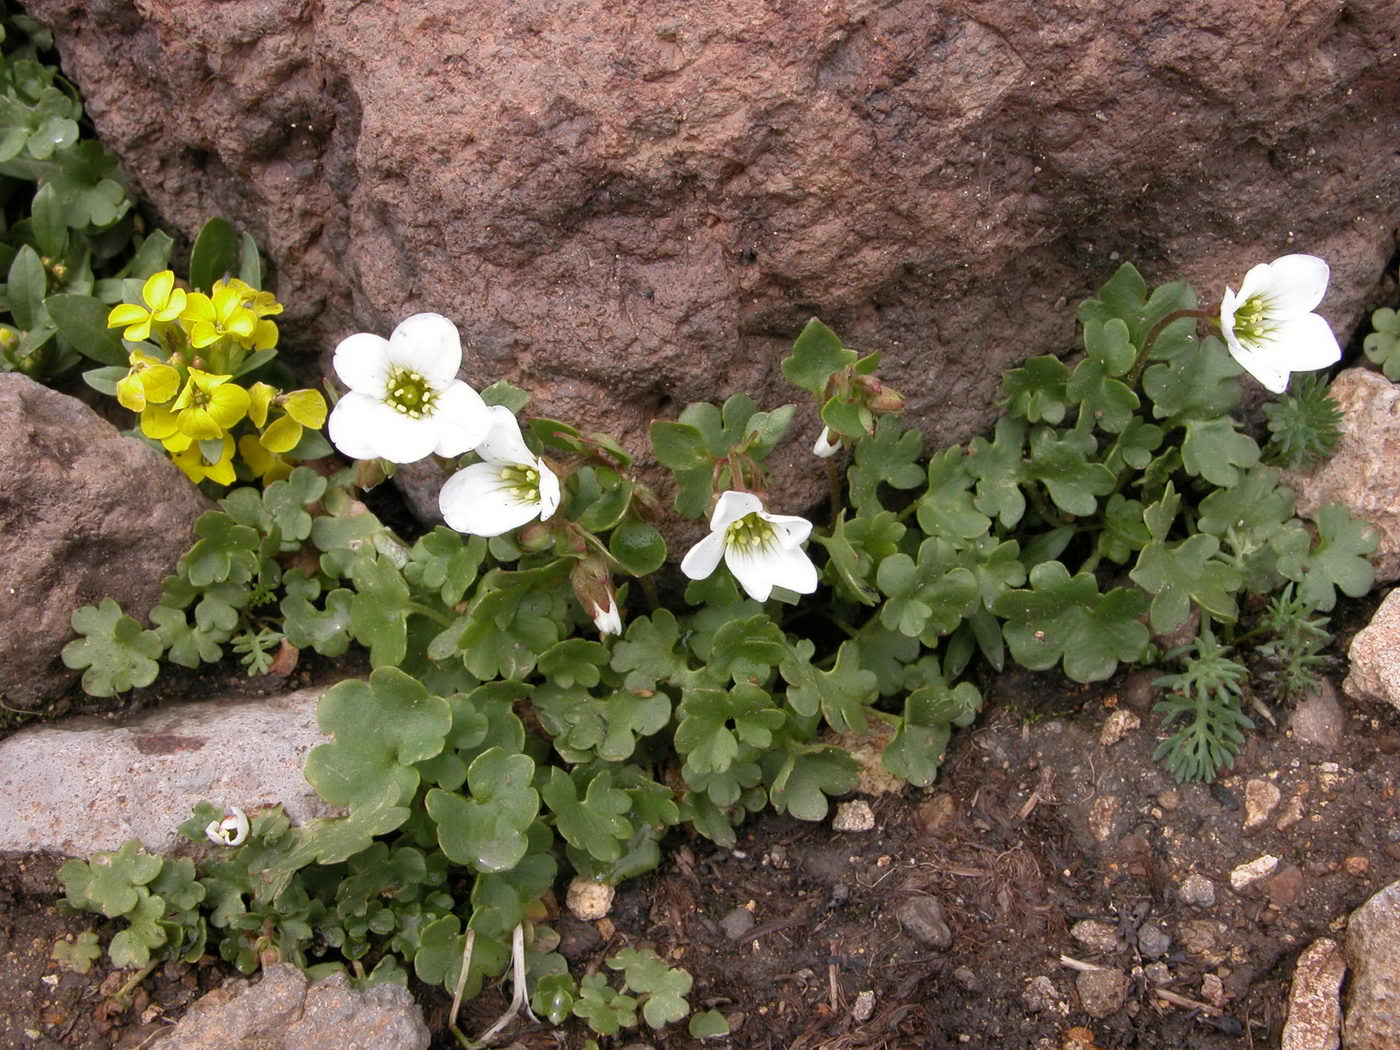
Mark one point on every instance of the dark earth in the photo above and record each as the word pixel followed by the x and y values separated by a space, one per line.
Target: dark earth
pixel 954 912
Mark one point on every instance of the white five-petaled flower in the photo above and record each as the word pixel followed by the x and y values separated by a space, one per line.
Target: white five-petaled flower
pixel 1270 327
pixel 509 487
pixel 232 830
pixel 405 401
pixel 828 444
pixel 762 550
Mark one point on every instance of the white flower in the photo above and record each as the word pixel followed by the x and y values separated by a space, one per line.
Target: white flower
pixel 232 830
pixel 762 550
pixel 405 401
pixel 509 487
pixel 607 620
pixel 1270 327
pixel 828 444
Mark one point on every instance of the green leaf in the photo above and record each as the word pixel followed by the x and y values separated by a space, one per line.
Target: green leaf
pixel 574 662
pixel 649 654
pixel 104 380
pixel 1124 530
pixel 82 320
pixel 187 645
pixel 1109 402
pixel 1383 345
pixel 379 729
pixel 999 470
pixel 1125 298
pixel 488 829
pixel 47 221
pixel 638 547
pixel 704 735
pixel 916 751
pixel 1064 618
pixel 114 654
pixel 326 629
pixel 816 356
pixel 925 599
pixel 679 446
pixel 807 776
pixel 504 394
pixel 708 1024
pixel 1188 571
pixel 664 987
pixel 594 819
pixel 1198 383
pixel 1062 466
pixel 891 456
pixel 132 946
pixel 1134 446
pixel 380 609
pixel 109 881
pixel 606 1010
pixel 214 256
pixel 249 262
pixel 855 548
pixel 1338 561
pixel 747 650
pixel 1037 391
pixel 840 694
pixel 28 283
pixel 445 562
pixel 946 509
pixel 225 551
pixel 1215 450
pixel 848 417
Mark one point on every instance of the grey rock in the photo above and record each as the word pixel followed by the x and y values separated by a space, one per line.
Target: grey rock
pixel 1261 798
pixel 284 1011
pixel 85 784
pixel 1158 973
pixel 1318 718
pixel 1041 996
pixel 1364 474
pixel 1097 936
pixel 1153 941
pixel 645 211
pixel 85 514
pixel 1373 990
pixel 736 923
pixel 1314 999
pixel 1197 890
pixel 864 1008
pixel 923 918
pixel 855 815
pixel 1374 656
pixel 1102 992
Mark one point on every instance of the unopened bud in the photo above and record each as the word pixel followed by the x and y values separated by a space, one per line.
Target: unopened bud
pixel 828 444
pixel 535 536
pixel 232 830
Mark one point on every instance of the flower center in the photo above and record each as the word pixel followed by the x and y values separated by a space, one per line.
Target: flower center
pixel 749 533
pixel 409 393
pixel 522 482
pixel 1249 319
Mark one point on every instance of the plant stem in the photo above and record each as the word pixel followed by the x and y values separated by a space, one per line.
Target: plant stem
pixel 1131 379
pixel 833 481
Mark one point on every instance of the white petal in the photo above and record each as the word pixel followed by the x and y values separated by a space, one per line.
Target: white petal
pixel 461 419
pixel 792 531
pixel 702 559
pixel 1229 303
pixel 1262 365
pixel 1296 285
pixel 503 442
pixel 1303 344
pixel 1255 282
pixel 549 491
pixel 478 501
pixel 827 444
pixel 350 426
pixel 731 507
pixel 364 428
pixel 362 363
pixel 760 569
pixel 429 345
pixel 607 620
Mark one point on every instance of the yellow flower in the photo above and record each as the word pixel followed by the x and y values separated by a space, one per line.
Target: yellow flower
pixel 209 405
pixel 304 408
pixel 266 465
pixel 260 396
pixel 210 318
pixel 159 423
pixel 263 304
pixel 197 468
pixel 150 380
pixel 165 303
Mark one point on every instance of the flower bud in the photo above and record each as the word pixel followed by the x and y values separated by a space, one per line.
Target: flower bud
pixel 535 536
pixel 828 444
pixel 232 830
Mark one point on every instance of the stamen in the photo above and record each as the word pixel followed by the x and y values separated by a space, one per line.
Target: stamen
pixel 409 393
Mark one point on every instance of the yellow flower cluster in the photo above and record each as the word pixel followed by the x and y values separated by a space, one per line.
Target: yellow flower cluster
pixel 183 387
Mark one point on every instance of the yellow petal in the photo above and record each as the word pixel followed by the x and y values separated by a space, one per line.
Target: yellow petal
pixel 307 407
pixel 173 308
pixel 156 291
pixel 253 453
pixel 242 323
pixel 265 337
pixel 126 314
pixel 202 334
pixel 282 435
pixel 158 422
pixel 259 397
pixel 131 393
pixel 198 308
pixel 228 404
pixel 160 382
pixel 198 424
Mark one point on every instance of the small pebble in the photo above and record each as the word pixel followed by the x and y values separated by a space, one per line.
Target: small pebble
pixel 923 918
pixel 1097 936
pixel 1040 996
pixel 589 900
pixel 1357 866
pixel 1213 990
pixel 1261 798
pixel 1285 885
pixel 864 1007
pixel 966 978
pixel 937 814
pixel 1103 992
pixel 1158 973
pixel 855 815
pixel 1117 726
pixel 1249 873
pixel 738 922
pixel 1153 941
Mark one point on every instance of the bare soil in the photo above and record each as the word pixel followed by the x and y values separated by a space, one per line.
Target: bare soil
pixel 1034 824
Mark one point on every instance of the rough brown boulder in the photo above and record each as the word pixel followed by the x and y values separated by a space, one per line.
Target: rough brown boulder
pixel 85 514
pixel 631 206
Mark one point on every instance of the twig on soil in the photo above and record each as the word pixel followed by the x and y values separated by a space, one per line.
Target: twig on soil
pixel 1190 1004
pixel 462 977
pixel 1078 964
